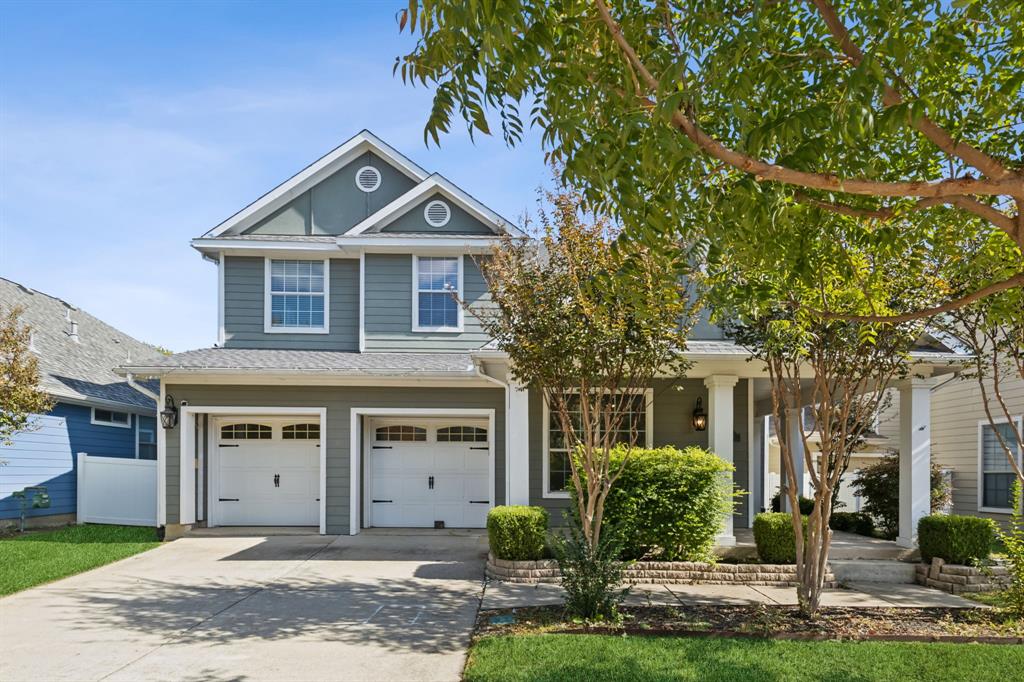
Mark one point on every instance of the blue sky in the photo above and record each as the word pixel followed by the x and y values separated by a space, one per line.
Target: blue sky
pixel 128 128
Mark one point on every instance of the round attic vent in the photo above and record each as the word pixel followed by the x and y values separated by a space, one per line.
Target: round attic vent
pixel 437 213
pixel 368 178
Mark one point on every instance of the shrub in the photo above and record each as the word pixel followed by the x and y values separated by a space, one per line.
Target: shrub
pixel 517 533
pixel 590 577
pixel 852 522
pixel 669 502
pixel 957 539
pixel 1013 539
pixel 806 504
pixel 773 535
pixel 879 485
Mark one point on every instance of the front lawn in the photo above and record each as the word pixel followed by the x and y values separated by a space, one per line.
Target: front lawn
pixel 43 556
pixel 592 658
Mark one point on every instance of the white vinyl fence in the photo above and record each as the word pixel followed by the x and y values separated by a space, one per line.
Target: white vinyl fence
pixel 116 490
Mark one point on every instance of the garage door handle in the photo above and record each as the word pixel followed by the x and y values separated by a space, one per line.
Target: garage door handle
pixel 227 499
pixel 229 445
pixel 382 447
pixel 430 482
pixel 480 447
pixel 380 501
pixel 479 501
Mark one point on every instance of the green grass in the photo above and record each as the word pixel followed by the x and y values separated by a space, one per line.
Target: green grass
pixel 593 658
pixel 41 557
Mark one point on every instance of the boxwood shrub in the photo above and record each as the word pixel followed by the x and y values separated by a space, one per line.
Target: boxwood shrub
pixel 773 535
pixel 518 533
pixel 669 503
pixel 852 522
pixel 957 539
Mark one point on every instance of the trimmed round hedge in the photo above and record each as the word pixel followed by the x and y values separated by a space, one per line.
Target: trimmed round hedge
pixel 956 539
pixel 852 522
pixel 518 533
pixel 773 535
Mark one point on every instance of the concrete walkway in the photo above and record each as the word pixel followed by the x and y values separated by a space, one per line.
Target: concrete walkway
pixel 303 607
pixel 507 595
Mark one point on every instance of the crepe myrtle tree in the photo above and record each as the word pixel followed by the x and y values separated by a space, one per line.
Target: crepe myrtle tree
pixel 588 320
pixel 20 395
pixel 905 115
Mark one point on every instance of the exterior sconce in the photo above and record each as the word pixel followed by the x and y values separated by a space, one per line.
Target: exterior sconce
pixel 700 417
pixel 169 415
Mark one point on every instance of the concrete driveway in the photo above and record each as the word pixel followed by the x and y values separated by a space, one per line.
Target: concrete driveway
pixel 305 607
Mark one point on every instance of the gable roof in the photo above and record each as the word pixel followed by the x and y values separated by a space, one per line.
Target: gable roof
pixel 435 184
pixel 314 174
pixel 81 370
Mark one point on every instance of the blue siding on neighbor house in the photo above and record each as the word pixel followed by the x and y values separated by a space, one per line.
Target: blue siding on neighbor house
pixel 46 456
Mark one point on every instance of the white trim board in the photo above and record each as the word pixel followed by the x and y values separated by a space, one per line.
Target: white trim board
pixel 314 173
pixel 356 450
pixel 187 454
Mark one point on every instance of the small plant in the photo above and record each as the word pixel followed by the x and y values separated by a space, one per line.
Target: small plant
pixel 852 522
pixel 591 575
pixel 1013 539
pixel 879 485
pixel 956 539
pixel 773 535
pixel 517 533
pixel 806 503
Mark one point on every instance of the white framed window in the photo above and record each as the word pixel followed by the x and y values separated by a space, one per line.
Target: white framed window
pixel 434 280
pixel 145 438
pixel 296 296
pixel 103 417
pixel 557 472
pixel 995 475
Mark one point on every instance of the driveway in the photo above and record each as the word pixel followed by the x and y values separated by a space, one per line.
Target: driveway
pixel 292 607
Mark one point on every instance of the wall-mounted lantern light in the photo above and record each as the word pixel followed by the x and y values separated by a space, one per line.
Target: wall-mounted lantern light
pixel 169 415
pixel 700 417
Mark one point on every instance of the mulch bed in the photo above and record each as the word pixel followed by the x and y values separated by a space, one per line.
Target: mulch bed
pixel 772 622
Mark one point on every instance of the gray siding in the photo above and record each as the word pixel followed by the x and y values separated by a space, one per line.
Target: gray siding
pixel 339 402
pixel 413 221
pixel 673 406
pixel 388 308
pixel 335 204
pixel 243 308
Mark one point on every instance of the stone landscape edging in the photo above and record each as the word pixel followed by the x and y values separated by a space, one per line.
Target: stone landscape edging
pixel 657 572
pixel 957 578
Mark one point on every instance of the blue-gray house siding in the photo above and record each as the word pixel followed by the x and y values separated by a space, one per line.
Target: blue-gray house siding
pixel 46 455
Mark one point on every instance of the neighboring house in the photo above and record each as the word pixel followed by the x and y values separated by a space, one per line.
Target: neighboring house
pixel 348 390
pixel 95 410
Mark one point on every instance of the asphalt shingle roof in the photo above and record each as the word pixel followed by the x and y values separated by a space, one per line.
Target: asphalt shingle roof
pixel 83 369
pixel 310 361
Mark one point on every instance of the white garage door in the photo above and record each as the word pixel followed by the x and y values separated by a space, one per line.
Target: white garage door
pixel 268 472
pixel 428 471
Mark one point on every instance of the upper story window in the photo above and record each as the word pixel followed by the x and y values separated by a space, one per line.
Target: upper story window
pixel 102 417
pixel 996 473
pixel 435 280
pixel 296 299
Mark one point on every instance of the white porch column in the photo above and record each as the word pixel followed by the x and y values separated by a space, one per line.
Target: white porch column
pixel 720 432
pixel 796 444
pixel 517 444
pixel 915 457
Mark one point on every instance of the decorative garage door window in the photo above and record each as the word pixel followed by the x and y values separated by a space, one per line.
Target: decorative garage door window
pixel 301 432
pixel 246 432
pixel 462 434
pixel 402 432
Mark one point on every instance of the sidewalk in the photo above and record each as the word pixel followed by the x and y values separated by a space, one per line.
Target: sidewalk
pixel 499 595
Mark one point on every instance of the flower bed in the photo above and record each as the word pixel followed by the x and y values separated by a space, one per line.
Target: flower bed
pixel 658 572
pixel 957 579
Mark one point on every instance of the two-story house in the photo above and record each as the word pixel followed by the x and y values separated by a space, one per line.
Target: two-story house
pixel 349 390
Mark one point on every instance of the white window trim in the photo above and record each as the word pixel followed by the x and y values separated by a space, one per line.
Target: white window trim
pixel 138 432
pixel 416 326
pixel 97 422
pixel 546 491
pixel 982 423
pixel 268 328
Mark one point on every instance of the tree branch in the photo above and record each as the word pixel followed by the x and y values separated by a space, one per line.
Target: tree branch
pixel 1015 281
pixel 988 213
pixel 762 170
pixel 890 97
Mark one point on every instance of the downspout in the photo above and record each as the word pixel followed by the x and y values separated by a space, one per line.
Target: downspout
pixel 142 389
